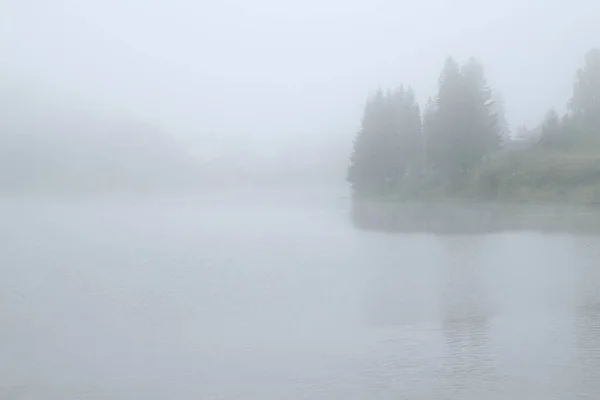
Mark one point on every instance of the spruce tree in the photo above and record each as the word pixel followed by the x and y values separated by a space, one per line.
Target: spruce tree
pixel 444 140
pixel 371 164
pixel 388 144
pixel 482 127
pixel 585 102
pixel 429 135
pixel 462 130
pixel 499 111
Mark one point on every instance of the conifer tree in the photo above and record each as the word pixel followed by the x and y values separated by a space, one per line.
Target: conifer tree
pixel 388 145
pixel 462 130
pixel 585 102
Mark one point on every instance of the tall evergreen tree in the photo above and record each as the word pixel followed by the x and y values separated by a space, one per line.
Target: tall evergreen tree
pixel 445 136
pixel 429 134
pixel 550 129
pixel 465 130
pixel 483 130
pixel 408 127
pixel 499 110
pixel 387 143
pixel 551 124
pixel 585 102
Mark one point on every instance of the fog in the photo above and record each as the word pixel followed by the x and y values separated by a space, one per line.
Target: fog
pixel 266 79
pixel 175 221
pixel 277 296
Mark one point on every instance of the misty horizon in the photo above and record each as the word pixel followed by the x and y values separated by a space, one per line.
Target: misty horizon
pixel 259 78
pixel 266 200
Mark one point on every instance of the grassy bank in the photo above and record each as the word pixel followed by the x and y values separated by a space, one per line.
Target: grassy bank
pixel 473 218
pixel 541 176
pixel 535 176
pixel 535 190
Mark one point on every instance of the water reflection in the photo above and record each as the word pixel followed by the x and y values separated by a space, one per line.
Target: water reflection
pixel 494 317
pixel 586 363
pixel 465 316
pixel 473 218
pixel 585 369
pixel 188 302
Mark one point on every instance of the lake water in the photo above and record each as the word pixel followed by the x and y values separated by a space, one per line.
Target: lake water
pixel 275 296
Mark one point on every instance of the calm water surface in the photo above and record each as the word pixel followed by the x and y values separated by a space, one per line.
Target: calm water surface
pixel 278 297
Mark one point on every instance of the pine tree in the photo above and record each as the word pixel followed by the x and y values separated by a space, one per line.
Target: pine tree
pixel 371 168
pixel 463 129
pixel 361 171
pixel 444 140
pixel 482 127
pixel 408 127
pixel 388 143
pixel 551 124
pixel 429 134
pixel 552 131
pixel 584 106
pixel 585 102
pixel 499 110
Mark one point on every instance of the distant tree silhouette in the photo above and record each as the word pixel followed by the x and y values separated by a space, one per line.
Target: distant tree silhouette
pixel 388 143
pixel 462 129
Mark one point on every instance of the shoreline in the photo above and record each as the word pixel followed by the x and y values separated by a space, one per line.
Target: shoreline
pixel 455 217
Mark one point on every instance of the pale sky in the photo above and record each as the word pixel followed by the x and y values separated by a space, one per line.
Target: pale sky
pixel 263 74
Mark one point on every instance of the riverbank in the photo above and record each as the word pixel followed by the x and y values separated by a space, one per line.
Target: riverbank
pixel 536 176
pixel 536 189
pixel 473 218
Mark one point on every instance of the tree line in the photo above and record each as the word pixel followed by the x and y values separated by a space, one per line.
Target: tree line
pixel 459 131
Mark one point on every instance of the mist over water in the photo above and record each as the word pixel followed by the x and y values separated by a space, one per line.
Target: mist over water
pixel 257 296
pixel 179 200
